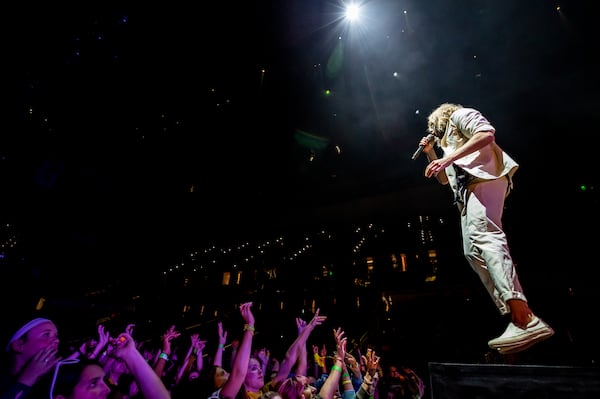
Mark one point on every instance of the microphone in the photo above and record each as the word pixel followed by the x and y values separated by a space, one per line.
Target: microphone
pixel 420 149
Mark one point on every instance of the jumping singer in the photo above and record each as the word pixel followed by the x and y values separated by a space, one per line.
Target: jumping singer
pixel 480 175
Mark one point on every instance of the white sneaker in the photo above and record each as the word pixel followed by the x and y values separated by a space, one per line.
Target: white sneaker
pixel 515 339
pixel 507 350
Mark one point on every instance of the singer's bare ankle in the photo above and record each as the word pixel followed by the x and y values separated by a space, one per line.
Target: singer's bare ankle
pixel 520 312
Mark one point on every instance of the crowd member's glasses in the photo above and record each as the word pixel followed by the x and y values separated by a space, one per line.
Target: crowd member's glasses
pixel 60 363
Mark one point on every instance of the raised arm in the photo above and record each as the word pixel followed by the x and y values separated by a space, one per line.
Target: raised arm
pixel 103 341
pixel 218 359
pixel 370 378
pixel 302 357
pixel 291 355
pixel 354 371
pixel 199 350
pixel 149 383
pixel 163 357
pixel 319 358
pixel 184 367
pixel 242 358
pixel 331 384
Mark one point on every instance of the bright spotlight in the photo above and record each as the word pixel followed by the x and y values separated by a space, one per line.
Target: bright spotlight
pixel 352 12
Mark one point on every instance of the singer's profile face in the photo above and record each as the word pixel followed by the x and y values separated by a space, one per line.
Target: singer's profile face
pixel 431 128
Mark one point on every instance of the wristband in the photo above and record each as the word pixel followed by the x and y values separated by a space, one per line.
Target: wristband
pixel 248 327
pixel 164 356
pixel 346 382
pixel 221 346
pixel 336 368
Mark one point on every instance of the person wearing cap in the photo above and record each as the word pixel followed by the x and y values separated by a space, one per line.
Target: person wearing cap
pixel 32 352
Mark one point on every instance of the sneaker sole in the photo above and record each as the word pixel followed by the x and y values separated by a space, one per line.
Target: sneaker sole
pixel 515 348
pixel 546 331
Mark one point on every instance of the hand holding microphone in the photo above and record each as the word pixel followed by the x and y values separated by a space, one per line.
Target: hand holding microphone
pixel 424 141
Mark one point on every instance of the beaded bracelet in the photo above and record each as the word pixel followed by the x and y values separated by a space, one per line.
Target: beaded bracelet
pixel 248 327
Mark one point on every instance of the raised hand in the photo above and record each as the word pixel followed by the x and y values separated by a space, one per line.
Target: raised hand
pixel 41 362
pixel 371 361
pixel 197 343
pixel 300 324
pixel 340 343
pixel 167 337
pixel 103 337
pixel 246 311
pixel 317 320
pixel 353 364
pixel 129 329
pixel 122 345
pixel 222 334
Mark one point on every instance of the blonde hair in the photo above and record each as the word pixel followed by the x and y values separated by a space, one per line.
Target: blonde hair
pixel 270 395
pixel 438 119
pixel 293 387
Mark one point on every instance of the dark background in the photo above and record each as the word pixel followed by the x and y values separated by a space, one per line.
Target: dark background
pixel 133 131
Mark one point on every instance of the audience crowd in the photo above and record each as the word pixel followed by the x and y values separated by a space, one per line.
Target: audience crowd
pixel 178 365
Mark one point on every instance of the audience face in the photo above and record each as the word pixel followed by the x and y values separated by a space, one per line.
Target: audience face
pixel 118 366
pixel 297 387
pixel 221 376
pixel 74 381
pixel 255 378
pixel 309 392
pixel 393 372
pixel 39 337
pixel 270 395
